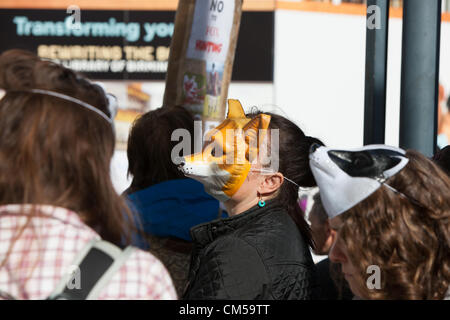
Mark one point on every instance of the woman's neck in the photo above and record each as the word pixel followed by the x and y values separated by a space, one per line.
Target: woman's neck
pixel 234 208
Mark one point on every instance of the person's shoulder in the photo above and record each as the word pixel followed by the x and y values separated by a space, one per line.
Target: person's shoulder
pixel 269 227
pixel 276 237
pixel 233 253
pixel 233 248
pixel 143 257
pixel 145 261
pixel 231 241
pixel 144 268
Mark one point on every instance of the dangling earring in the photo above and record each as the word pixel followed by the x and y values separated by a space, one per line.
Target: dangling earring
pixel 261 202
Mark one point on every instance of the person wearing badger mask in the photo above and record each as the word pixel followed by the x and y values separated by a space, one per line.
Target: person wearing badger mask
pixel 262 250
pixel 391 211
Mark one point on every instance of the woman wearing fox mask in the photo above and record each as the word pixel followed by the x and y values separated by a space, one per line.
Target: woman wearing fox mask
pixel 262 250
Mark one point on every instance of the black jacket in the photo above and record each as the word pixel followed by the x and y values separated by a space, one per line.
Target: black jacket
pixel 331 282
pixel 259 254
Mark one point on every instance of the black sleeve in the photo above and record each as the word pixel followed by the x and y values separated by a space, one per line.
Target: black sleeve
pixel 231 269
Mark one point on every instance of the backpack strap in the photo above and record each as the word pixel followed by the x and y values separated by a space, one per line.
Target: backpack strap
pixel 96 264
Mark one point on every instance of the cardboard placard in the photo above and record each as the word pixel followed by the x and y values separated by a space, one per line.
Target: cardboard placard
pixel 201 56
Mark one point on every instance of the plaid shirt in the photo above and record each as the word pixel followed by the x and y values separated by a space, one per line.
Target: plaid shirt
pixel 45 250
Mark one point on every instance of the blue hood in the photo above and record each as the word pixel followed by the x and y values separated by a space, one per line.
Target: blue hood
pixel 172 208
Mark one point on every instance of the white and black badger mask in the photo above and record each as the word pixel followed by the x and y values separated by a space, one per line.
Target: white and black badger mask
pixel 347 177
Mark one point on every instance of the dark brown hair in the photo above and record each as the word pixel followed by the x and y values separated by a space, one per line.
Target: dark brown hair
pixel 442 159
pixel 293 163
pixel 150 146
pixel 53 151
pixel 408 236
pixel 318 209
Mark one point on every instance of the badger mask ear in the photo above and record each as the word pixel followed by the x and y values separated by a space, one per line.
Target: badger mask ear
pixel 347 177
pixel 370 163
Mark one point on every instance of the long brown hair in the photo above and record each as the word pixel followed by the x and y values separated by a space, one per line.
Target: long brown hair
pixel 53 151
pixel 293 161
pixel 407 236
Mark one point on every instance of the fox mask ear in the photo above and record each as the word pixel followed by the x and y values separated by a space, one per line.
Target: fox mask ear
pixel 260 122
pixel 255 132
pixel 235 109
pixel 252 128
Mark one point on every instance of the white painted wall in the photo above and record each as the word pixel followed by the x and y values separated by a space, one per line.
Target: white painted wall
pixel 259 94
pixel 319 74
pixel 393 82
pixel 319 77
pixel 445 57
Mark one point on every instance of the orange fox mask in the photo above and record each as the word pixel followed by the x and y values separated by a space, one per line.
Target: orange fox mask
pixel 224 163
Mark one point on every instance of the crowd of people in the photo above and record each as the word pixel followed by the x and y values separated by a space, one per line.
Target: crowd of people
pixel 205 227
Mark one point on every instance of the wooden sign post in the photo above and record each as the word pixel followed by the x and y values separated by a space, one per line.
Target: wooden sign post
pixel 201 57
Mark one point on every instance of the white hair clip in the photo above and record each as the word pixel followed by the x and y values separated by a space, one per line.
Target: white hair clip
pixel 77 101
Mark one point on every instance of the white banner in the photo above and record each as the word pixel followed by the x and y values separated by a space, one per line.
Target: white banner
pixel 211 29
